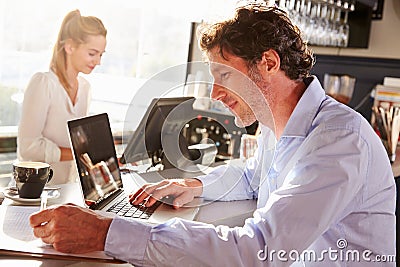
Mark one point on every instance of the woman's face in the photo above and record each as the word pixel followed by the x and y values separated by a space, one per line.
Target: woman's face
pixel 85 57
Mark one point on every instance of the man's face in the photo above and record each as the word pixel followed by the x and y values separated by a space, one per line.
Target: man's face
pixel 233 87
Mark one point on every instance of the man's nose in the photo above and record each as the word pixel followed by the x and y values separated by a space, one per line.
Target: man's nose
pixel 217 92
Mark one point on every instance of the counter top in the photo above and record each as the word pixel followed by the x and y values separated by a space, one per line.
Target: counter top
pixel 231 213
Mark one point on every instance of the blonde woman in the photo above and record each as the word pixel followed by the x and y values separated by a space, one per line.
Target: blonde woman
pixel 54 97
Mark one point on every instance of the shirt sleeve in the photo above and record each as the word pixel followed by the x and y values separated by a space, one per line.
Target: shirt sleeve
pixel 231 182
pixel 183 243
pixel 32 145
pixel 238 180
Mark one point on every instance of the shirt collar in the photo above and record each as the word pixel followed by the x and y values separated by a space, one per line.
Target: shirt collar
pixel 306 109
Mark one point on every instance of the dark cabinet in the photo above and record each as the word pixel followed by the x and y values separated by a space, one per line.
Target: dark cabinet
pixel 359 22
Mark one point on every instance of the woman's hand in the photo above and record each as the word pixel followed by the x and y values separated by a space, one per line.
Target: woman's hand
pixel 66 154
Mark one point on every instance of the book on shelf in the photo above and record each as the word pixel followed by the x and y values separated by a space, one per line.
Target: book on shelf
pixel 385 93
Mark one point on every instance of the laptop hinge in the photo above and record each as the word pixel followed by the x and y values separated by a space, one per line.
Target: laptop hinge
pixel 102 202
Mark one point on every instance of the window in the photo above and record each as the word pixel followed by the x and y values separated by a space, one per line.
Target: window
pixel 144 38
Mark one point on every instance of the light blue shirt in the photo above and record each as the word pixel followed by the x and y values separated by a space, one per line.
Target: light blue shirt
pixel 325 189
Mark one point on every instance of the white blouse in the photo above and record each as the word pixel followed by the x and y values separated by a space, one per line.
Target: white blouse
pixel 43 125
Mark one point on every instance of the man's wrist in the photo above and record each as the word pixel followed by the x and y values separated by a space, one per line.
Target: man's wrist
pixel 197 186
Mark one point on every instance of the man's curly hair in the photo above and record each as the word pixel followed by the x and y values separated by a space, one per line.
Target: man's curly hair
pixel 255 30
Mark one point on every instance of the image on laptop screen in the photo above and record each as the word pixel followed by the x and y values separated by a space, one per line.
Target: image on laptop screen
pixel 95 156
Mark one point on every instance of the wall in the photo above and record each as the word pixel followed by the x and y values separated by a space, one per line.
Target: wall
pixel 370 65
pixel 384 39
pixel 368 72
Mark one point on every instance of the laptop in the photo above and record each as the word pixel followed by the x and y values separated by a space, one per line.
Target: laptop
pixel 104 185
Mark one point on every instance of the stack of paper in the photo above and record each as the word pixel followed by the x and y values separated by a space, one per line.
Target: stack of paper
pixel 16 237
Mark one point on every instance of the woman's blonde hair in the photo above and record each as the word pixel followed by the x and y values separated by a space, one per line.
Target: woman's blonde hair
pixel 77 28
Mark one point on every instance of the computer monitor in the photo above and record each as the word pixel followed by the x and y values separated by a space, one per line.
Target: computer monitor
pixel 159 134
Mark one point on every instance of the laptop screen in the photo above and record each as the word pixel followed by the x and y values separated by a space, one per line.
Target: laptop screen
pixel 95 157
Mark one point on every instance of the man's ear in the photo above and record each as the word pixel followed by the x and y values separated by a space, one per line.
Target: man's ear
pixel 69 46
pixel 270 61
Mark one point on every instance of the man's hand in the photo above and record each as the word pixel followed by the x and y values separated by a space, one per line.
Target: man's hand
pixel 183 191
pixel 71 229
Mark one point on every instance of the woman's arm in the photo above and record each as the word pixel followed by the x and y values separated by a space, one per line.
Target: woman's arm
pixel 32 145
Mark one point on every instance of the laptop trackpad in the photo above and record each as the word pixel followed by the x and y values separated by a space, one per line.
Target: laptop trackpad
pixel 165 212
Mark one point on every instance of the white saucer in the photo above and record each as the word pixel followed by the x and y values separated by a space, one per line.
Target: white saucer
pixel 10 194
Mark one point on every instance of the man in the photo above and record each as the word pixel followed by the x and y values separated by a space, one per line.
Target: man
pixel 321 175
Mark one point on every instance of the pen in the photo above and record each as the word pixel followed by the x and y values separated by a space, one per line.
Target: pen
pixel 379 122
pixel 395 132
pixel 43 200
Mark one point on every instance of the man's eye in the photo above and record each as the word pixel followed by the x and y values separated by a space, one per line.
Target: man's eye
pixel 91 54
pixel 225 75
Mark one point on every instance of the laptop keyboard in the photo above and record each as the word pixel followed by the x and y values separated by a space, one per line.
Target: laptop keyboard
pixel 126 209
